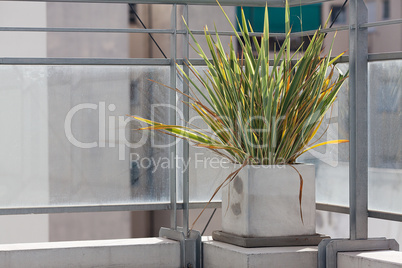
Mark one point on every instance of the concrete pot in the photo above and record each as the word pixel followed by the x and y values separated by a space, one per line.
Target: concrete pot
pixel 263 201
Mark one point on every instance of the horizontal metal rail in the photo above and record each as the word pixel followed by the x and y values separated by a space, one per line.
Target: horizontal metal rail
pixel 295 34
pixel 156 31
pixel 84 208
pixel 326 30
pixel 271 3
pixel 111 62
pixel 385 56
pixel 85 30
pixel 343 59
pixel 332 208
pixel 201 62
pixel 385 215
pixel 371 213
pixel 381 23
pixel 155 61
pixel 83 61
pixel 103 208
pixel 167 206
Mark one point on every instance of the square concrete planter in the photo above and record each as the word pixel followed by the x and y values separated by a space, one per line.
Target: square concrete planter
pixel 263 201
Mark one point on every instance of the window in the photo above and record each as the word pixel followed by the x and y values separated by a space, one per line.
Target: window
pixel 386 10
pixel 341 18
pixel 132 9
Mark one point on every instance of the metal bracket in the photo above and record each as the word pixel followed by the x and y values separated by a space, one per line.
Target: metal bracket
pixel 190 247
pixel 328 248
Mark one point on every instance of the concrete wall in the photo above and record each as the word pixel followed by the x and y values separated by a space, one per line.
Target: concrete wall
pixel 386 38
pixel 87 15
pixel 159 17
pixel 24 169
pixel 342 38
pixel 381 39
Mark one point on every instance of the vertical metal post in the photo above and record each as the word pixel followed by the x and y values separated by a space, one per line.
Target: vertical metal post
pixel 190 241
pixel 358 112
pixel 186 184
pixel 172 118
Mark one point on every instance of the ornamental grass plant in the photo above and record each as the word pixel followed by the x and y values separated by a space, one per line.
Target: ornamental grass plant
pixel 262 107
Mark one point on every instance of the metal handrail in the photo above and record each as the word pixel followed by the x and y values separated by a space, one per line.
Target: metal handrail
pixel 155 61
pixel 102 208
pixel 271 3
pixel 169 62
pixel 85 30
pixel 371 213
pixel 166 206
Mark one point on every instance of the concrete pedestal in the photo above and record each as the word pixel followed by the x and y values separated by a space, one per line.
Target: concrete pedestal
pixel 218 254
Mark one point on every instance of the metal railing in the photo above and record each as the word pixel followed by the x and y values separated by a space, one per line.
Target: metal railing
pixel 357 58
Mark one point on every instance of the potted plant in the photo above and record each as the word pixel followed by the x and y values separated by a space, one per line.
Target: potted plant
pixel 263 108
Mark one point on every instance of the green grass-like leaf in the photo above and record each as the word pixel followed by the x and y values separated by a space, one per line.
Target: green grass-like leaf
pixel 259 113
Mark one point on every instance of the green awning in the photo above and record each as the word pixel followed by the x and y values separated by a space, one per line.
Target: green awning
pixel 304 18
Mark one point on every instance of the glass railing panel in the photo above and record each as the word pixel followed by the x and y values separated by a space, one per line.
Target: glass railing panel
pixel 67 138
pixel 385 139
pixel 332 161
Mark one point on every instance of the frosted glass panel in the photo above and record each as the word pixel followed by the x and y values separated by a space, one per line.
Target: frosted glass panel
pixel 385 139
pixel 67 140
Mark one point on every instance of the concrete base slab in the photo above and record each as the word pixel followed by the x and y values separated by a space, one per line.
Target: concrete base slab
pixel 278 241
pixel 370 259
pixel 223 255
pixel 130 253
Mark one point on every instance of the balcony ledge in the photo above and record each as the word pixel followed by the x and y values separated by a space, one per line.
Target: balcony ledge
pixel 160 252
pixel 142 252
pixel 372 259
